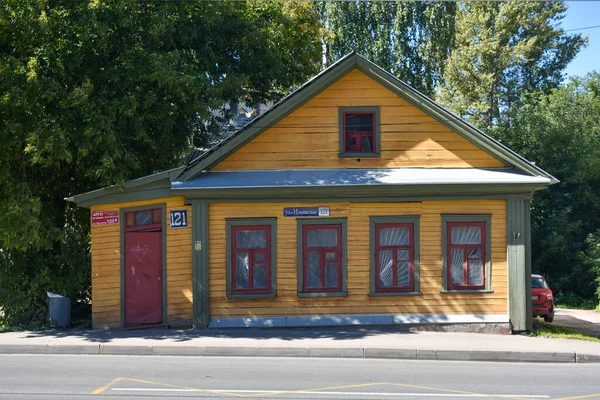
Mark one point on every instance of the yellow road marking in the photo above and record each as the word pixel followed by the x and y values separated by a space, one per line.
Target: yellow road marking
pixel 183 387
pixel 587 396
pixel 108 385
pixel 316 389
pixel 503 396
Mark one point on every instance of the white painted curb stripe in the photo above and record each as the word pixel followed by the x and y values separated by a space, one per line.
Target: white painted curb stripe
pixel 300 392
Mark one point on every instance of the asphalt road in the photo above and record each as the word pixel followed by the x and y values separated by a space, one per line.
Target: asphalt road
pixel 138 377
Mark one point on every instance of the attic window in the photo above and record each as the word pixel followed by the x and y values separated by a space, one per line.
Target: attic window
pixel 359 131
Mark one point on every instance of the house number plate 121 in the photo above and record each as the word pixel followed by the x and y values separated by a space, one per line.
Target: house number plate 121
pixel 179 218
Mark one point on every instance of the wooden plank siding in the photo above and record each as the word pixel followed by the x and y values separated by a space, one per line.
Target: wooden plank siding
pixel 106 266
pixel 309 137
pixel 287 303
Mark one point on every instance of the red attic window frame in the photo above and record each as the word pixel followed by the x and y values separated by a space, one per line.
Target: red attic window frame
pixel 395 288
pixel 465 248
pixel 360 134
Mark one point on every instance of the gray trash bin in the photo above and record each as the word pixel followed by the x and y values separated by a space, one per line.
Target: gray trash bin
pixel 59 310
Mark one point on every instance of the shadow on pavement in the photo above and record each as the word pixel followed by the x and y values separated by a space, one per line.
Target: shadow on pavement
pixel 183 335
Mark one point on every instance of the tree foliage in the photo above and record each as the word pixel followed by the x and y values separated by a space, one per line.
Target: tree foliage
pixel 561 132
pixel 412 40
pixel 98 92
pixel 504 50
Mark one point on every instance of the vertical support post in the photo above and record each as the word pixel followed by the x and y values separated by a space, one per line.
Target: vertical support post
pixel 200 264
pixel 518 257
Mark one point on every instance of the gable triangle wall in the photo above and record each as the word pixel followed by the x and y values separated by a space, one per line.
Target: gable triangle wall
pixel 308 138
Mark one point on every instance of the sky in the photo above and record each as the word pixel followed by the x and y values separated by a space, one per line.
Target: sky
pixel 580 15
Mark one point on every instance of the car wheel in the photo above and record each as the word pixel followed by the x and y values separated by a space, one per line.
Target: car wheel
pixel 549 317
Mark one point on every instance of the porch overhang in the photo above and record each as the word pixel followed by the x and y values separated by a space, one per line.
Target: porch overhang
pixel 358 184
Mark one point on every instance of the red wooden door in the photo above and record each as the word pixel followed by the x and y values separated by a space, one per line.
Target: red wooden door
pixel 143 278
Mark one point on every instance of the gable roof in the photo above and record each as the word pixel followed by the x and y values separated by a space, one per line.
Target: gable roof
pixel 208 159
pixel 166 183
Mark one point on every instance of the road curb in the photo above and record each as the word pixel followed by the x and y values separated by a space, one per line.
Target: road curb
pixel 305 352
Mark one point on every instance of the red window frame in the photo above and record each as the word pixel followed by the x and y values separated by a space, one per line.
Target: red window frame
pixel 394 249
pixel 359 135
pixel 322 250
pixel 156 220
pixel 252 259
pixel 465 248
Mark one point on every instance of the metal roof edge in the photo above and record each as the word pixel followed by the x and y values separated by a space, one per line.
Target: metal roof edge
pixel 128 185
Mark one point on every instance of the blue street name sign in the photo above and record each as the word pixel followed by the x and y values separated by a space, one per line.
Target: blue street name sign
pixel 306 212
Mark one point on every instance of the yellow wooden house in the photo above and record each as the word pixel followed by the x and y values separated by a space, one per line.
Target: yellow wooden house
pixel 354 200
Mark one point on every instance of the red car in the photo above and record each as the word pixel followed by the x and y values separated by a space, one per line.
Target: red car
pixel 542 300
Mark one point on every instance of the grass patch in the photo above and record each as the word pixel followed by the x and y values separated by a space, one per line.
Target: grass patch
pixel 543 329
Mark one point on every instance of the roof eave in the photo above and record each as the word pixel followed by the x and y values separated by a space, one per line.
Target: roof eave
pixel 94 196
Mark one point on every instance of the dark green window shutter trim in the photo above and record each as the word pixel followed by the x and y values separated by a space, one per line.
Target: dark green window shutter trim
pixel 359 155
pixel 388 294
pixel 164 226
pixel 466 291
pixel 397 219
pixel 487 218
pixel 323 294
pixel 201 295
pixel 377 133
pixel 323 221
pixel 272 222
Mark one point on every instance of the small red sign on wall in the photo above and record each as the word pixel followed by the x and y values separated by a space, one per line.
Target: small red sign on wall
pixel 105 217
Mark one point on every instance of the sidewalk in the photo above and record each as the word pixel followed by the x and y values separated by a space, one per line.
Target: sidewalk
pixel 354 342
pixel 586 321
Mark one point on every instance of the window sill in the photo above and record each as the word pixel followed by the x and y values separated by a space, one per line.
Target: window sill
pixel 251 296
pixel 383 294
pixel 467 291
pixel 323 294
pixel 359 155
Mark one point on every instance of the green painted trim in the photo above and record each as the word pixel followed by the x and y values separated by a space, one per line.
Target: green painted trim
pixel 485 291
pixel 529 305
pixel 330 75
pixel 322 221
pixel 396 219
pixel 372 193
pixel 323 294
pixel 518 241
pixel 487 218
pixel 341 111
pixel 148 182
pixel 163 229
pixel 231 222
pixel 390 199
pixel 201 295
pixel 389 294
pixel 358 156
pixel 126 197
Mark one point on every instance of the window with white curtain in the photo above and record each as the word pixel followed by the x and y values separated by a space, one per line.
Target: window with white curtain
pixel 322 257
pixel 394 257
pixel 250 264
pixel 466 255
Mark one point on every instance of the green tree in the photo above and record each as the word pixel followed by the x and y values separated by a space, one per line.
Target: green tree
pixel 412 40
pixel 98 92
pixel 561 132
pixel 503 50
